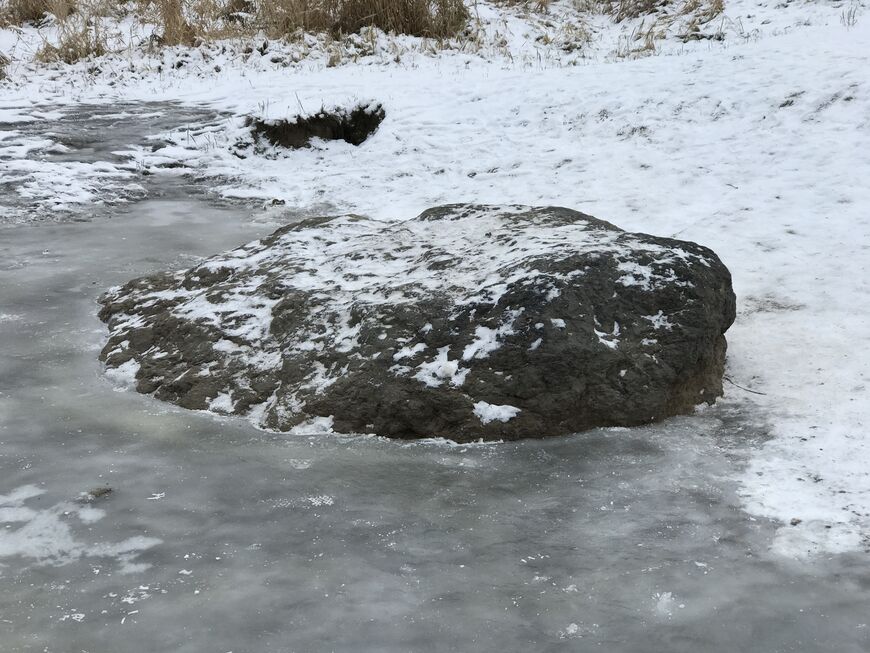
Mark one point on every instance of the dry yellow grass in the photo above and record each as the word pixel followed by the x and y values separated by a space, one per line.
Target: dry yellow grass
pixel 76 42
pixel 700 10
pixel 181 22
pixel 429 18
pixel 541 6
pixel 176 28
pixel 189 22
pixel 80 32
pixel 624 9
pixel 186 22
pixel 19 12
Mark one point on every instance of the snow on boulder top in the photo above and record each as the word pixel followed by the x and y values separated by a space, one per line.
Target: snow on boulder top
pixel 404 328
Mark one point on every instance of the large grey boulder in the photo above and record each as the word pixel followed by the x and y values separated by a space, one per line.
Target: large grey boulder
pixel 465 322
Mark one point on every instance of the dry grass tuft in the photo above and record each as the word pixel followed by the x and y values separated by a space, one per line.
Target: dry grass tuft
pixel 80 33
pixel 541 6
pixel 279 18
pixel 626 9
pixel 428 18
pixel 176 28
pixel 701 11
pixel 20 12
pixel 849 17
pixel 76 42
pixel 658 18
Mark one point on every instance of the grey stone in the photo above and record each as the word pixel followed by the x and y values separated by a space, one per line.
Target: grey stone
pixel 466 322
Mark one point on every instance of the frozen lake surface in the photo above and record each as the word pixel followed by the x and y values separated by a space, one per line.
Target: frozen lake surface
pixel 220 537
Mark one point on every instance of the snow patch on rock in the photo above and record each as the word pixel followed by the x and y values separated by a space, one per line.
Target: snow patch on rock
pixel 487 413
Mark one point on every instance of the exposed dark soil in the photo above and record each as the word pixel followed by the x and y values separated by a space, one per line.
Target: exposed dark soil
pixel 353 127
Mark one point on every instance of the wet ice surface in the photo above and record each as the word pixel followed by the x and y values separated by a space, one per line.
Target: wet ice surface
pixel 219 537
pixel 59 164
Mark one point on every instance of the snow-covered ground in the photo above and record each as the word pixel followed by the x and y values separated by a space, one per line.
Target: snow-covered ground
pixel 757 146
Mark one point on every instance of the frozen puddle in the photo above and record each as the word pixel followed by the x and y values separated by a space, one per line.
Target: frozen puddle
pixel 60 163
pixel 218 537
pixel 46 536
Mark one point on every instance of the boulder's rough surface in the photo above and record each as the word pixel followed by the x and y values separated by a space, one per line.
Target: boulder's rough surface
pixel 466 322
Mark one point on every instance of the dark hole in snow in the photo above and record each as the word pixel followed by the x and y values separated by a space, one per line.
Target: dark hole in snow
pixel 353 126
